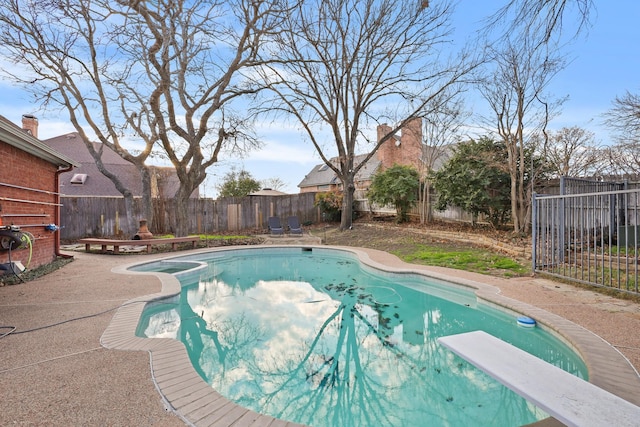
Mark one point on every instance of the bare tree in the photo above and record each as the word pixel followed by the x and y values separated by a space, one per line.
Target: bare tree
pixel 623 159
pixel 573 152
pixel 274 183
pixel 166 74
pixel 514 89
pixel 441 131
pixel 624 117
pixel 624 121
pixel 345 63
pixel 528 32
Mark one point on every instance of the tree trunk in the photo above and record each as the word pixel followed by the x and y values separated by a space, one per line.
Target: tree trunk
pixel 147 203
pixel 129 207
pixel 513 175
pixel 428 213
pixel 132 223
pixel 346 219
pixel 422 203
pixel 181 200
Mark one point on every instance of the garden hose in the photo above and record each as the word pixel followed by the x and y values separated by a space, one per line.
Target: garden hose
pixel 27 239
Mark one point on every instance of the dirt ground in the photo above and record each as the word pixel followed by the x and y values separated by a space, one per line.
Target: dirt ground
pixel 402 238
pixel 436 226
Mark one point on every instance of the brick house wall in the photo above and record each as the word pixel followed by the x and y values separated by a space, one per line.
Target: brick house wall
pixel 24 170
pixel 29 194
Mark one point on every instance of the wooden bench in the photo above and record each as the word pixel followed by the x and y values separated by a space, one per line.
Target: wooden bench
pixel 569 399
pixel 173 241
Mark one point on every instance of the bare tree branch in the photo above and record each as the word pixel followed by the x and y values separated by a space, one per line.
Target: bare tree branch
pixel 624 120
pixel 624 117
pixel 573 152
pixel 541 21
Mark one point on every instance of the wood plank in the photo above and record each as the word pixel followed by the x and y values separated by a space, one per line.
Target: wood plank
pixel 569 399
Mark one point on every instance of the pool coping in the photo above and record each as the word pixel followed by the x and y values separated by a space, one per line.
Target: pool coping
pixel 197 404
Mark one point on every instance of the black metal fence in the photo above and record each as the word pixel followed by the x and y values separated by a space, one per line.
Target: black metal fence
pixel 106 216
pixel 592 237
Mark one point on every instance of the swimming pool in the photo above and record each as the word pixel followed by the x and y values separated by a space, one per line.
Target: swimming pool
pixel 315 337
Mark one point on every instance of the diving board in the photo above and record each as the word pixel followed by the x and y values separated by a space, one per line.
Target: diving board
pixel 569 399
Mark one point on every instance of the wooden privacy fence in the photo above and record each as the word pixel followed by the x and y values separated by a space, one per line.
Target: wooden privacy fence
pixel 106 216
pixel 452 213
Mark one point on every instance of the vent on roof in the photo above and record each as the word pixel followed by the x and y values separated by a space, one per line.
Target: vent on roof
pixel 323 167
pixel 79 178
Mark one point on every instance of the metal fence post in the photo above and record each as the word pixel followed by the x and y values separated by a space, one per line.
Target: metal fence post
pixel 534 231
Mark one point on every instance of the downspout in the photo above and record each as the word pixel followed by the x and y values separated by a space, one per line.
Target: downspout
pixel 57 212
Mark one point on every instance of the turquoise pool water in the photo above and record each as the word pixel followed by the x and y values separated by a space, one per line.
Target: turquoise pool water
pixel 317 338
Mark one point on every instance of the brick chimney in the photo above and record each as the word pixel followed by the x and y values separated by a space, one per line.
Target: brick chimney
pixel 385 151
pixel 404 149
pixel 411 151
pixel 30 124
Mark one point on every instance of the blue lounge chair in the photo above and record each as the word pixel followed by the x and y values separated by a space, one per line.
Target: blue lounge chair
pixel 294 225
pixel 274 226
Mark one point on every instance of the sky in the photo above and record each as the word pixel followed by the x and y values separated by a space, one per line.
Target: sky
pixel 604 63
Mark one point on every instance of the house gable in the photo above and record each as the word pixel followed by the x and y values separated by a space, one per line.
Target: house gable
pixel 95 184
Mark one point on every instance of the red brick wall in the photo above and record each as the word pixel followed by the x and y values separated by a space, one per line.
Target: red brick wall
pixel 22 169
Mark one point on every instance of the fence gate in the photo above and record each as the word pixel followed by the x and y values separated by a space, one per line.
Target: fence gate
pixel 590 237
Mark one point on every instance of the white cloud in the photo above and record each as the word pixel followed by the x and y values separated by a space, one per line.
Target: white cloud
pixel 299 152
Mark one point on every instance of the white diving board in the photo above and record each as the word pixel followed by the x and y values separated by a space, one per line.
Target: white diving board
pixel 569 399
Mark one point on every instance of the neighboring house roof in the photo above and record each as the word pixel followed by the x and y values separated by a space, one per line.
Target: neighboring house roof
pixel 17 137
pixel 71 144
pixel 405 148
pixel 268 192
pixel 439 156
pixel 369 169
pixel 87 180
pixel 323 175
pixel 96 184
pixel 90 181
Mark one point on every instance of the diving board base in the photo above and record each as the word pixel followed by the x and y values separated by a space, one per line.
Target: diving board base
pixel 569 399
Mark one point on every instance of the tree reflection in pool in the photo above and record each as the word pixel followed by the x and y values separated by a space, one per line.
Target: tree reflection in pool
pixel 316 338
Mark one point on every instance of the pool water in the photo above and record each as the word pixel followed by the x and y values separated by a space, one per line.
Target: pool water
pixel 317 338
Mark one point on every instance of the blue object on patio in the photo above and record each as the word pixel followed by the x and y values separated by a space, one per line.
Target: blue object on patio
pixel 294 225
pixel 274 225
